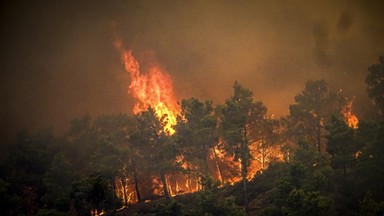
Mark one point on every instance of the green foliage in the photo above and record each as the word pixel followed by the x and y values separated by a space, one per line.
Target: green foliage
pixel 76 173
pixel 375 84
pixel 241 119
pixel 58 180
pixel 211 203
pixel 312 170
pixel 50 212
pixel 311 111
pixel 157 149
pixel 368 171
pixel 196 132
pixel 296 187
pixel 153 142
pixel 286 191
pixel 93 193
pixel 29 159
pixel 301 202
pixel 172 208
pixel 10 201
pixel 341 144
pixel 369 207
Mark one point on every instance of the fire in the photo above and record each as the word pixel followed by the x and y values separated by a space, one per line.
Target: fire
pixel 151 89
pixel 125 191
pixel 350 118
pixel 95 212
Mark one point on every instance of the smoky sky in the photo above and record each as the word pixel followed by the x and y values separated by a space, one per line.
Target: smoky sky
pixel 58 60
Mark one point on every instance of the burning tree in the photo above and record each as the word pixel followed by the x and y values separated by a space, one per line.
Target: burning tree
pixel 196 133
pixel 152 88
pixel 240 116
pixel 265 144
pixel 159 152
pixel 312 109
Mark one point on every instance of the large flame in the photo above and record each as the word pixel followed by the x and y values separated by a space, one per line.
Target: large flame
pixel 350 118
pixel 151 89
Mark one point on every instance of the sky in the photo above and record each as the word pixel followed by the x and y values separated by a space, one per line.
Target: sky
pixel 58 60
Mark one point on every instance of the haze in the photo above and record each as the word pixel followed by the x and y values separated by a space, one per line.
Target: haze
pixel 58 60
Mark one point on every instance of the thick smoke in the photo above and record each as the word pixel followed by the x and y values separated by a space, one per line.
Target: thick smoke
pixel 345 22
pixel 321 36
pixel 58 59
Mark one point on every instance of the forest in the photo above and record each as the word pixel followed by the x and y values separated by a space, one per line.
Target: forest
pixel 218 159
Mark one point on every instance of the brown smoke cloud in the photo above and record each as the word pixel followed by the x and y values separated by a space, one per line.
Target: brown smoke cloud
pixel 58 60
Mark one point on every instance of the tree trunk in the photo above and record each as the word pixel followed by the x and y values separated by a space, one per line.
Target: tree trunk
pixel 244 171
pixel 165 186
pixel 189 178
pixel 244 178
pixel 218 167
pixel 124 183
pixel 136 184
pixel 318 138
pixel 206 166
pixel 263 158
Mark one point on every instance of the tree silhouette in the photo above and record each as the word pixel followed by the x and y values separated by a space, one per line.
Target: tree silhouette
pixel 375 82
pixel 311 111
pixel 240 114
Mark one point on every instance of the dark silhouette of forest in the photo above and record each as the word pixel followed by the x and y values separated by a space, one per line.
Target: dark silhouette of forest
pixel 226 159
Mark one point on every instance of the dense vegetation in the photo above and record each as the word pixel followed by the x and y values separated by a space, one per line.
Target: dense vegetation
pixel 312 162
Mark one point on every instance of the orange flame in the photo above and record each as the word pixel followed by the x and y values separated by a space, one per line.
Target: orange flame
pixel 350 118
pixel 152 89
